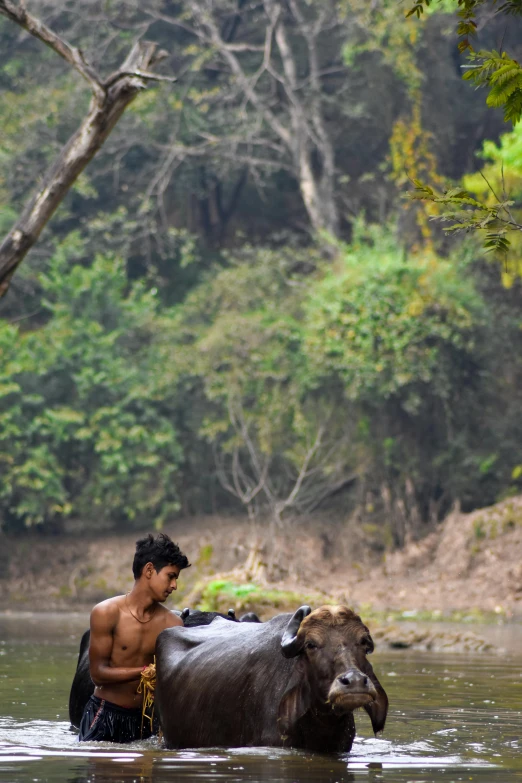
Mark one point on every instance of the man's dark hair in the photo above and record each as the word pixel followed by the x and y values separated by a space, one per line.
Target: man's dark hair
pixel 160 551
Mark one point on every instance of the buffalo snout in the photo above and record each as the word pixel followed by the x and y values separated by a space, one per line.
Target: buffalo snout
pixel 354 678
pixel 350 690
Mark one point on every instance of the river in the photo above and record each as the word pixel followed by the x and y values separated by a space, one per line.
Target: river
pixel 452 718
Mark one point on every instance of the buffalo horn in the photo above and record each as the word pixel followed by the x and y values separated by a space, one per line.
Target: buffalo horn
pixel 231 613
pixel 185 613
pixel 290 646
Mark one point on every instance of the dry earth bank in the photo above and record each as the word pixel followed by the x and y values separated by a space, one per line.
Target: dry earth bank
pixel 470 567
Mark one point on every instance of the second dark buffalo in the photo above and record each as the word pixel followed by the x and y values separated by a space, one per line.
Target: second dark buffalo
pixel 291 682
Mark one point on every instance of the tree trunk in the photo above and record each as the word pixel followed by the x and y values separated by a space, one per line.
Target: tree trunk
pixel 317 192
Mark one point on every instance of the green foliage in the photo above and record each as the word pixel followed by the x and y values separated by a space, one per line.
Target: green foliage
pixel 43 119
pixel 482 204
pixel 418 8
pixel 502 173
pixel 219 595
pixel 466 11
pixel 466 213
pixel 383 352
pixel 390 326
pixel 82 422
pixel 496 70
pixel 223 328
pixel 381 358
pixel 505 160
pixel 500 521
pixel 378 29
pixel 239 337
pixel 503 76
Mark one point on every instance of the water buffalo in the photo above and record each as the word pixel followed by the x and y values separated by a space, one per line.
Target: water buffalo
pixel 293 681
pixel 82 686
pixel 193 617
pixel 249 617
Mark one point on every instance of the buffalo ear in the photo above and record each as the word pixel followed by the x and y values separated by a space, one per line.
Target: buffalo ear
pixel 290 643
pixel 296 700
pixel 378 709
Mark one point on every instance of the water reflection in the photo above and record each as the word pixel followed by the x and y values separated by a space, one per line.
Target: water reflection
pixel 263 766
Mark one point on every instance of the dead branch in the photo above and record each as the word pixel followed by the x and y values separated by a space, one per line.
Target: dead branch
pixel 248 474
pixel 109 100
pixel 72 55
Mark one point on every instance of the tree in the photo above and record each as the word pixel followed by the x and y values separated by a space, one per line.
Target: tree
pixel 399 337
pixel 275 57
pixel 279 448
pixel 110 98
pixel 370 375
pixel 502 75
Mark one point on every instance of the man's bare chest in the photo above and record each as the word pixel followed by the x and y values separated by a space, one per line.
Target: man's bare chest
pixel 133 642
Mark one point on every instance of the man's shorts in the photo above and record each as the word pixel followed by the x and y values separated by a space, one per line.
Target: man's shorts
pixel 104 721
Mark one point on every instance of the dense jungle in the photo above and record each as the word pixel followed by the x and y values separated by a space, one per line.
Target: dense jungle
pixel 237 309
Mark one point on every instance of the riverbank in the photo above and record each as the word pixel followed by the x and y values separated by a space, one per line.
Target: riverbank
pixel 469 568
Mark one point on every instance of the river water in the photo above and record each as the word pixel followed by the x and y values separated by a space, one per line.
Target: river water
pixel 452 718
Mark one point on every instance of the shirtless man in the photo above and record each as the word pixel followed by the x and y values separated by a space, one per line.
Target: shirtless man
pixel 124 630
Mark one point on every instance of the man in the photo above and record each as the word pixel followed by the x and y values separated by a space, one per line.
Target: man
pixel 124 630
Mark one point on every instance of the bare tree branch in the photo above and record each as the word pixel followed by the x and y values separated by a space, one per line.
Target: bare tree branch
pixel 206 20
pixel 71 54
pixel 153 77
pixel 299 485
pixel 109 101
pixel 290 500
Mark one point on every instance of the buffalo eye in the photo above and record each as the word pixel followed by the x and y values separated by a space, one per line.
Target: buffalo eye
pixel 367 644
pixel 310 646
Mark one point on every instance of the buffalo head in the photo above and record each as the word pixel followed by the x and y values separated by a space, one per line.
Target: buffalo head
pixel 193 617
pixel 332 671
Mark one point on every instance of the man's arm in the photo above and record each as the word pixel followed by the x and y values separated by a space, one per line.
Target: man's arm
pixel 103 622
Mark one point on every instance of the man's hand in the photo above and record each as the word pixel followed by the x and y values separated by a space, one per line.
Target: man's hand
pixel 149 672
